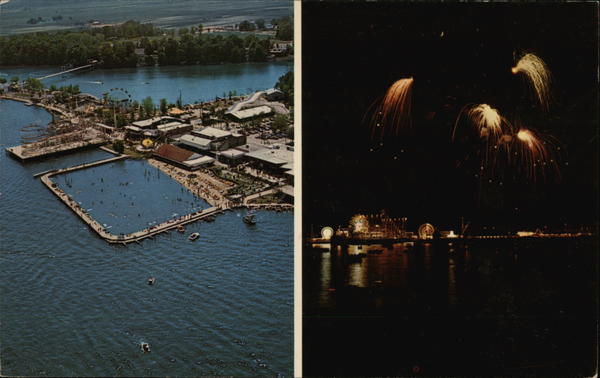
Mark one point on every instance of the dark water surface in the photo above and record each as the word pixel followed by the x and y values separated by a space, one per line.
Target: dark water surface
pixel 512 308
pixel 73 305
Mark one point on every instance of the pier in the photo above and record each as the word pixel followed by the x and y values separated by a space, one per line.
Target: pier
pixel 101 230
pixel 66 71
pixel 34 151
pixel 340 241
pixel 20 153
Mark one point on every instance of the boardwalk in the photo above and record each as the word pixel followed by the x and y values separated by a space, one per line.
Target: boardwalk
pixel 37 150
pixel 67 71
pixel 98 228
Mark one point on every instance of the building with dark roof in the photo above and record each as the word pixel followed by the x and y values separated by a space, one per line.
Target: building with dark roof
pixel 182 158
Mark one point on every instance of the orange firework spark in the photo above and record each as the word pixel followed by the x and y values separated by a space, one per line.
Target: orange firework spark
pixel 534 153
pixel 538 75
pixel 487 121
pixel 394 110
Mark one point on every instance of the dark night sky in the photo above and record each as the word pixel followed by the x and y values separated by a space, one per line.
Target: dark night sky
pixel 352 52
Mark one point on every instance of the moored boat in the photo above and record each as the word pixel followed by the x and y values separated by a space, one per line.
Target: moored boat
pixel 193 236
pixel 249 218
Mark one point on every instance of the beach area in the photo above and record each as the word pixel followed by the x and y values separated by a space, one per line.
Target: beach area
pixel 209 188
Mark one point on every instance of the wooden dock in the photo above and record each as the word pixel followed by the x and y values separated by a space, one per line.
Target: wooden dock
pixel 101 230
pixel 270 206
pixel 20 153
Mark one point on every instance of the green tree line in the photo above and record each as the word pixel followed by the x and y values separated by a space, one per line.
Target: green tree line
pixel 113 47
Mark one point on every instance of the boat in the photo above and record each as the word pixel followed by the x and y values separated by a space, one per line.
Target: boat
pixel 151 281
pixel 180 229
pixel 209 218
pixel 145 347
pixel 249 218
pixel 193 236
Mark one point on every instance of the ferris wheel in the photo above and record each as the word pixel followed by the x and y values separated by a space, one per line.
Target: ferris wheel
pixel 118 97
pixel 426 231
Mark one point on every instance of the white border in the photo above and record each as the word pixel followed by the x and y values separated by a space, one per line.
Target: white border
pixel 297 188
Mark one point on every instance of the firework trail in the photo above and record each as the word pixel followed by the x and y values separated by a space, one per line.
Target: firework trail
pixel 538 75
pixel 533 153
pixel 488 122
pixel 393 113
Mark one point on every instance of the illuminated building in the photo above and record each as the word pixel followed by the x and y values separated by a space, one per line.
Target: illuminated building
pixel 378 226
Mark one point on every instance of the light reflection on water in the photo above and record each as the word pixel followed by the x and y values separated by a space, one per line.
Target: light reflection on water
pixel 500 304
pixel 404 266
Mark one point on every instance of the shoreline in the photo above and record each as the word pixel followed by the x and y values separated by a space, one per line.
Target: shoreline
pixel 50 109
pixel 208 188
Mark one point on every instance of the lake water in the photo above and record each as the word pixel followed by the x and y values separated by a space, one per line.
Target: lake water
pixel 503 308
pixel 73 305
pixel 129 195
pixel 194 83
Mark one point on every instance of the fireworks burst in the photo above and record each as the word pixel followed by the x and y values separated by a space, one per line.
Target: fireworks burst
pixel 538 75
pixel 533 153
pixel 393 112
pixel 487 121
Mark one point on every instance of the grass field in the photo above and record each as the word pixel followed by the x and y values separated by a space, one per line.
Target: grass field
pixel 164 13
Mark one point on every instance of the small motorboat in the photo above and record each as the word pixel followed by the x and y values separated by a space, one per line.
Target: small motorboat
pixel 193 236
pixel 151 281
pixel 209 218
pixel 249 218
pixel 180 229
pixel 145 347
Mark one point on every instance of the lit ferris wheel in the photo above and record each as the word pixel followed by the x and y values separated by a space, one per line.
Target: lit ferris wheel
pixel 426 231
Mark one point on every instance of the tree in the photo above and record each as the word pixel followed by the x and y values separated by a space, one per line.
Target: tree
pixel 260 24
pixel 118 146
pixel 121 120
pixel 285 84
pixel 163 106
pixel 257 53
pixel 290 133
pixel 183 31
pixel 149 60
pixel 280 123
pixel 14 79
pixel 2 80
pixel 33 84
pixel 148 106
pixel 285 29
pixel 146 45
pixel 246 26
